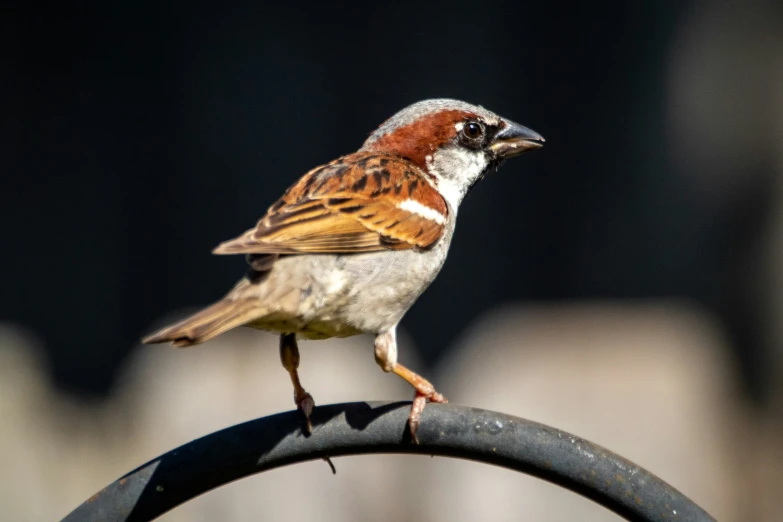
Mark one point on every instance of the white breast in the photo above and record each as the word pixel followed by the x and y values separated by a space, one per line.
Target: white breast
pixel 456 168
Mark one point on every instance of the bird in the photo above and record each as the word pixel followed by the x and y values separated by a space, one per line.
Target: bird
pixel 353 243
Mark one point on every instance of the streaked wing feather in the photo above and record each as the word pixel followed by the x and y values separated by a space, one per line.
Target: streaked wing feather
pixel 348 206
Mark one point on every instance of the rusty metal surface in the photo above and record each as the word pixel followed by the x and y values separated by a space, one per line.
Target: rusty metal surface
pixel 361 428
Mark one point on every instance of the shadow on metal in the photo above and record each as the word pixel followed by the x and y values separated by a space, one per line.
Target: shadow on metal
pixel 359 428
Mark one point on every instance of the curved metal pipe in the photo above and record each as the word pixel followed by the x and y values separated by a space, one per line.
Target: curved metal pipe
pixel 446 430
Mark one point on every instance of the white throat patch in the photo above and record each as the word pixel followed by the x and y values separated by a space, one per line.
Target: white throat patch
pixel 456 168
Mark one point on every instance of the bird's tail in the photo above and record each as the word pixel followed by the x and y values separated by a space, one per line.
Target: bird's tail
pixel 208 323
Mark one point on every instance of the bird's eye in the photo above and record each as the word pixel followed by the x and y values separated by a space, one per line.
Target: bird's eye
pixel 472 130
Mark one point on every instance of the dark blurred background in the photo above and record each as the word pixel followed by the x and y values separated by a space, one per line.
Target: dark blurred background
pixel 137 136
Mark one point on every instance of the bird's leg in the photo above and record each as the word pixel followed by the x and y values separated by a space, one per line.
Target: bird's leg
pixel 289 355
pixel 386 357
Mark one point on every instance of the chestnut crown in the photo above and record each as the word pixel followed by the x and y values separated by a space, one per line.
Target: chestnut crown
pixel 453 142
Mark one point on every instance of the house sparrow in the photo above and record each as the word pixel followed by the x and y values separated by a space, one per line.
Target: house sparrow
pixel 351 245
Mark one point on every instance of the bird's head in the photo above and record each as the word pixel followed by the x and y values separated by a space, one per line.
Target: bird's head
pixel 453 142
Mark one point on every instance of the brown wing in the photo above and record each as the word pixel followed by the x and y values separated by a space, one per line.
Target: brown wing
pixel 364 202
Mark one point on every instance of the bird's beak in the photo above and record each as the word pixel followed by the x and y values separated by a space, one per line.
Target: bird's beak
pixel 514 139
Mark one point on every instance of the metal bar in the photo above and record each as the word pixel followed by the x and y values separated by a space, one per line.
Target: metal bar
pixel 358 428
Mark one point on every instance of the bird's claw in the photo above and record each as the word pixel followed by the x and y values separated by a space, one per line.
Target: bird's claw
pixel 305 404
pixel 419 400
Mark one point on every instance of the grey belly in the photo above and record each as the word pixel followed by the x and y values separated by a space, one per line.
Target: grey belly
pixel 322 296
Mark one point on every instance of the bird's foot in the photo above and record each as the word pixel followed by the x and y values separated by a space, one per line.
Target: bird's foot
pixel 419 400
pixel 305 403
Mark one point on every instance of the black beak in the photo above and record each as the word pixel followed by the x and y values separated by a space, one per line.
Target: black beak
pixel 514 139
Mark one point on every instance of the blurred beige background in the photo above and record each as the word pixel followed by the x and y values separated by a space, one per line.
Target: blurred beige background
pixel 649 380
